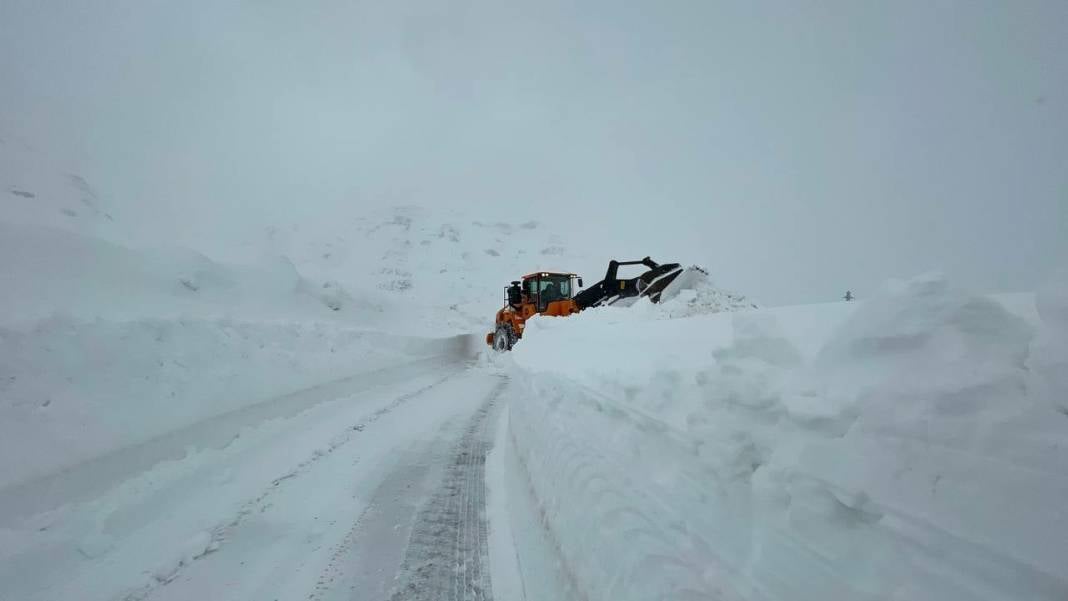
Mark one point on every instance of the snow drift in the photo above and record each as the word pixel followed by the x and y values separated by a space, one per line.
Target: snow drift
pixel 105 349
pixel 909 447
pixel 50 271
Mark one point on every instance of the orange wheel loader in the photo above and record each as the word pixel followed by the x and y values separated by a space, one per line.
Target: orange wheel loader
pixel 555 294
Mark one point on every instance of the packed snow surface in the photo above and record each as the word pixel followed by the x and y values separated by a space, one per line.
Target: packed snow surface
pixel 908 447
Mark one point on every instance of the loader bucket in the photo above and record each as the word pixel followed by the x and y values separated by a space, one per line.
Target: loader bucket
pixel 612 289
pixel 656 280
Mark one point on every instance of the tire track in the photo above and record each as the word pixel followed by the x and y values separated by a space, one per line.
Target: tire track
pixel 262 502
pixel 447 554
pixel 95 475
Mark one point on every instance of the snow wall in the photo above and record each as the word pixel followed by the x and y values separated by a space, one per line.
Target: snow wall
pixel 909 447
pixel 113 359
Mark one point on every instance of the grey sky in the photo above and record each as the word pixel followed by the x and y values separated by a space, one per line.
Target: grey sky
pixel 796 148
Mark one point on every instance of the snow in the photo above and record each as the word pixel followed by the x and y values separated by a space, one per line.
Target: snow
pixel 37 188
pixel 279 500
pixel 52 271
pixel 440 269
pixel 299 415
pixel 693 293
pixel 506 572
pixel 104 347
pixel 153 400
pixel 1049 357
pixel 895 448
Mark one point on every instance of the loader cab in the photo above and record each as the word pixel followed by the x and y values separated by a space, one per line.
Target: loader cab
pixel 544 292
pixel 550 292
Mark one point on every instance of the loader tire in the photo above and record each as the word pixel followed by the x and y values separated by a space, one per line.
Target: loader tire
pixel 503 339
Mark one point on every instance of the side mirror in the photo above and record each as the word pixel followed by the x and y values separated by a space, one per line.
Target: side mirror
pixel 580 282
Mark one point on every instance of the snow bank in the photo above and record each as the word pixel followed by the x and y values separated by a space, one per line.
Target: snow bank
pixel 48 271
pixel 105 349
pixel 73 390
pixel 909 447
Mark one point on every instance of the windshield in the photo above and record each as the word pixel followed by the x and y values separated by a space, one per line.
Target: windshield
pixel 548 288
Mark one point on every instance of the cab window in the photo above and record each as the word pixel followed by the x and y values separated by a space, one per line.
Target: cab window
pixel 559 285
pixel 551 288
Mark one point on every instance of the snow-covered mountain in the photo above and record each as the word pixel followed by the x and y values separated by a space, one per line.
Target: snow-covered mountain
pixel 105 345
pixel 67 252
pixel 414 269
pixel 447 270
pixel 36 189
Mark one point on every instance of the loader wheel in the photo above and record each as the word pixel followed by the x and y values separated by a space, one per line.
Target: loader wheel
pixel 502 339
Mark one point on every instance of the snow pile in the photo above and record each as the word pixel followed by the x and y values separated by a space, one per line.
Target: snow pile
pixel 909 453
pixel 692 293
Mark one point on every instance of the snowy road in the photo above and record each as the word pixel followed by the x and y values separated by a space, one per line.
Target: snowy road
pixel 851 451
pixel 376 492
pixel 447 552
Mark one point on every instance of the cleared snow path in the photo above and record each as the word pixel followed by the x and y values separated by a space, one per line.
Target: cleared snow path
pixel 423 534
pixel 346 498
pixel 83 480
pixel 447 554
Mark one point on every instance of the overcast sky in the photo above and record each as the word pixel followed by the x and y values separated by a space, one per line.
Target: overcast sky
pixel 795 148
